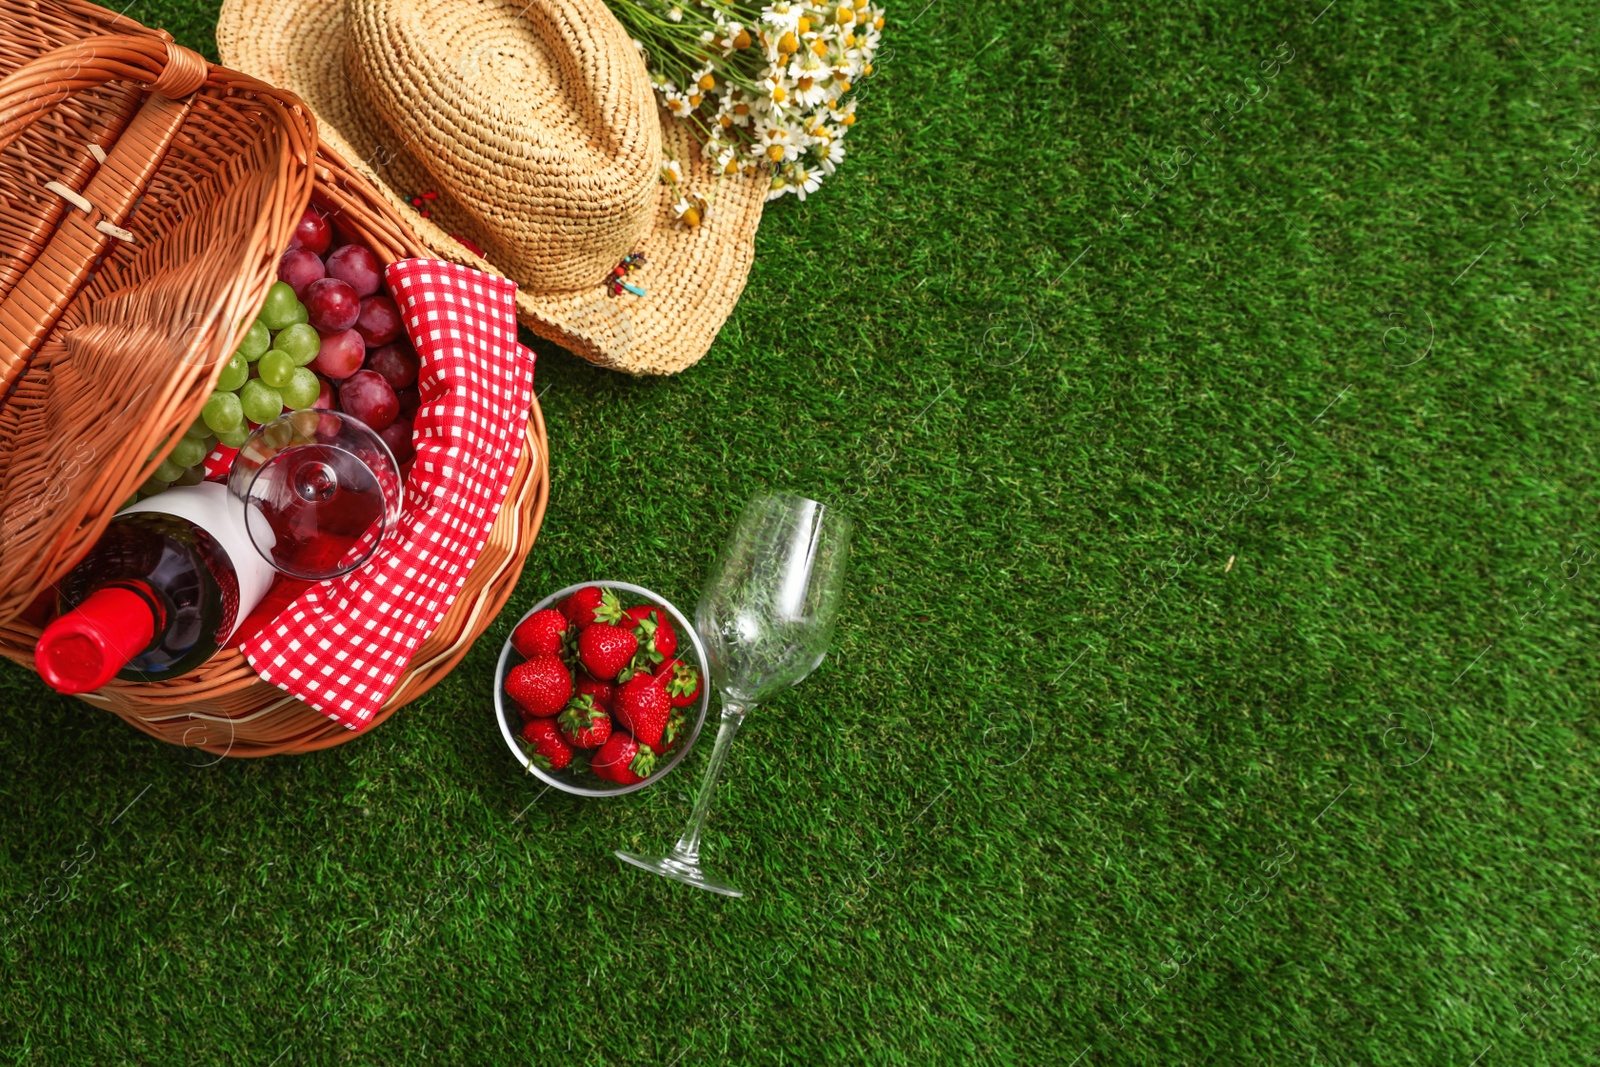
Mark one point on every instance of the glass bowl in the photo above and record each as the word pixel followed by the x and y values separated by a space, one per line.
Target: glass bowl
pixel 690 650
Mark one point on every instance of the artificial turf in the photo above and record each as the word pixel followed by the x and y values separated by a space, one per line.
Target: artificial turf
pixel 1217 678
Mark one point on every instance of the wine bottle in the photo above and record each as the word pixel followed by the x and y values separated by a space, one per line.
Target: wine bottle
pixel 159 593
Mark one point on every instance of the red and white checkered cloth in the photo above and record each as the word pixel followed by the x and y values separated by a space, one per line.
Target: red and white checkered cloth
pixel 343 644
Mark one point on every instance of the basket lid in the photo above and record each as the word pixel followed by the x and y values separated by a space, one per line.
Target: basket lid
pixel 122 313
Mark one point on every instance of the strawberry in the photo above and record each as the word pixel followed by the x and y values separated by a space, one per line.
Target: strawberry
pixel 681 682
pixel 623 760
pixel 583 724
pixel 642 708
pixel 599 691
pixel 543 631
pixel 550 749
pixel 592 604
pixel 542 686
pixel 654 630
pixel 604 649
pixel 669 733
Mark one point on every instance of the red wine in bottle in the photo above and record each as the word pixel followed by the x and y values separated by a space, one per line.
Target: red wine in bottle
pixel 159 593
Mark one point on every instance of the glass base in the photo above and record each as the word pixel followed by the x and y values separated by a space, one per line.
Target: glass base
pixel 680 871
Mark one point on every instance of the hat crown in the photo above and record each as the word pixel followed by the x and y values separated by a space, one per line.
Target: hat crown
pixel 534 122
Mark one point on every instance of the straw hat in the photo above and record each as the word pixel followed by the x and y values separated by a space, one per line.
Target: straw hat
pixel 535 124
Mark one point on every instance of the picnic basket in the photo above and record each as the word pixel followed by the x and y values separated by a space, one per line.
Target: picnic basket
pixel 148 196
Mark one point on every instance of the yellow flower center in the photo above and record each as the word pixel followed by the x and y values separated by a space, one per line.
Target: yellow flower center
pixel 741 109
pixel 849 40
pixel 787 44
pixel 732 167
pixel 861 4
pixel 844 15
pixel 780 94
pixel 804 84
pixel 743 40
pixel 708 83
pixel 726 121
pixel 821 49
pixel 692 217
pixel 849 120
pixel 805 24
pixel 877 23
pixel 866 70
pixel 775 152
pixel 843 80
pixel 694 99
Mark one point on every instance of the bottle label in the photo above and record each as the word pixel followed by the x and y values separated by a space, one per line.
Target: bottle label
pixel 210 507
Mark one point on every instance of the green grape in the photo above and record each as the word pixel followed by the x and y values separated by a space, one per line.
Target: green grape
pixel 197 428
pixel 300 341
pixel 277 435
pixel 303 389
pixel 299 313
pixel 153 486
pixel 275 368
pixel 279 309
pixel 235 374
pixel 261 402
pixel 187 452
pixel 223 411
pixel 256 340
pixel 192 476
pixel 234 438
pixel 167 471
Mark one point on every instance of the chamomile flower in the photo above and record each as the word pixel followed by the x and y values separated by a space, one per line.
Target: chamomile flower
pixel 671 173
pixel 803 180
pixel 735 109
pixel 768 85
pixel 778 143
pixel 691 210
pixel 809 76
pixel 782 16
pixel 776 98
pixel 829 152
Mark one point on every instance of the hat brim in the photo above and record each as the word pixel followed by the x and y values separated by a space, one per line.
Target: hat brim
pixel 692 278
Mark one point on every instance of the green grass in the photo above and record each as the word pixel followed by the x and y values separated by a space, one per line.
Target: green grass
pixel 1059 737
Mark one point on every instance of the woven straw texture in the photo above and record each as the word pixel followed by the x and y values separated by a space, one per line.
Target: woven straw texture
pixel 106 358
pixel 536 126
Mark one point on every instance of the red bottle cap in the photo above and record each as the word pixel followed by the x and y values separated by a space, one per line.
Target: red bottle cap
pixel 85 648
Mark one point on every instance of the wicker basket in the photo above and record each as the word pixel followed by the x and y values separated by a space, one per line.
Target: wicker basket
pixel 115 322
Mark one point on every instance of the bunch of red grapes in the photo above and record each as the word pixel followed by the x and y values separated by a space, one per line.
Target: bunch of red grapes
pixel 366 363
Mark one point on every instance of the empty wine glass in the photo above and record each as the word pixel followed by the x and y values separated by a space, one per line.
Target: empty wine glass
pixel 319 489
pixel 766 617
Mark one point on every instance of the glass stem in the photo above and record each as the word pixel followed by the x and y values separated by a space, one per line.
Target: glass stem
pixel 687 850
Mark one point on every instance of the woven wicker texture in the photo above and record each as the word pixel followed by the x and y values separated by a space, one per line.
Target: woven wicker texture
pixel 109 358
pixel 536 125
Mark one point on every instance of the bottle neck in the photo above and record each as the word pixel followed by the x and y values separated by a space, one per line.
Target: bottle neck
pixel 84 648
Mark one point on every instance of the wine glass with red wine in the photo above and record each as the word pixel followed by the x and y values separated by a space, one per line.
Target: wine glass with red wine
pixel 319 490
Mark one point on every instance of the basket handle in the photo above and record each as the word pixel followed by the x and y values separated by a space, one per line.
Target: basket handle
pixel 162 65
